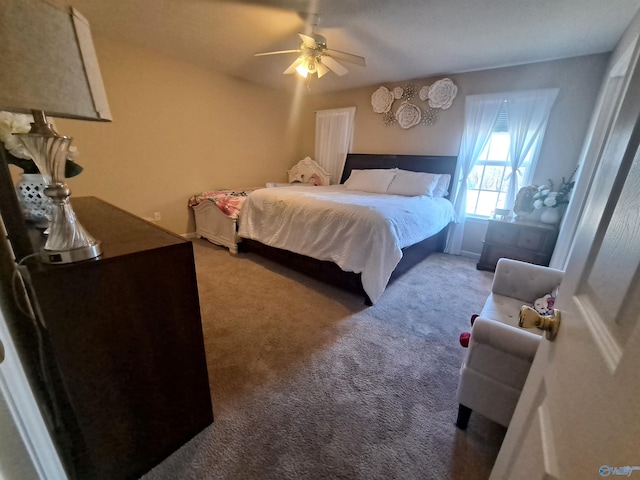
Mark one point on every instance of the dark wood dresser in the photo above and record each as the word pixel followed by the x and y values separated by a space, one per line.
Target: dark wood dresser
pixel 531 242
pixel 125 335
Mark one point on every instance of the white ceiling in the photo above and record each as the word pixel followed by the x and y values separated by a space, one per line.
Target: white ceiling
pixel 400 39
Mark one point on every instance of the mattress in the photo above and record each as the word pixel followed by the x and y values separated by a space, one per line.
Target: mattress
pixel 361 232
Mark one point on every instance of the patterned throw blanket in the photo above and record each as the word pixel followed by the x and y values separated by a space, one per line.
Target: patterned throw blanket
pixel 228 201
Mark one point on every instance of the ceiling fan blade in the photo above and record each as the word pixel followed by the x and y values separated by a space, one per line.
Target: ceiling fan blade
pixel 276 53
pixel 322 68
pixel 347 57
pixel 308 41
pixel 334 65
pixel 292 68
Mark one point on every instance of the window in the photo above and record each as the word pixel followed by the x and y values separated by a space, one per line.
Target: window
pixel 509 128
pixel 488 181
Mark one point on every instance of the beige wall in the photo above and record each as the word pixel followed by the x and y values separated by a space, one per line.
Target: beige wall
pixel 577 78
pixel 177 130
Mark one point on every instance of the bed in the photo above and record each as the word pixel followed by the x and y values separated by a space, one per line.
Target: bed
pixel 216 215
pixel 216 212
pixel 395 234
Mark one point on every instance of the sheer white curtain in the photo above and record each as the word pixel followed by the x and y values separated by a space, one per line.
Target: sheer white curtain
pixel 480 115
pixel 334 138
pixel 527 114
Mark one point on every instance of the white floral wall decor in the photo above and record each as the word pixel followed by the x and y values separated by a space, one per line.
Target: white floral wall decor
pixel 409 92
pixel 429 116
pixel 381 100
pixel 424 93
pixel 438 96
pixel 408 115
pixel 389 118
pixel 442 93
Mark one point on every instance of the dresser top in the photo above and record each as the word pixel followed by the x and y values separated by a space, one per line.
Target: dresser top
pixel 525 223
pixel 119 232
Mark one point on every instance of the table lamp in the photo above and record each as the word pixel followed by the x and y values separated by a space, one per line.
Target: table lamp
pixel 48 66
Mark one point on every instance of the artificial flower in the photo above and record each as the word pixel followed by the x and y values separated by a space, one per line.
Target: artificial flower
pixel 442 93
pixel 381 100
pixel 19 156
pixel 408 115
pixel 547 197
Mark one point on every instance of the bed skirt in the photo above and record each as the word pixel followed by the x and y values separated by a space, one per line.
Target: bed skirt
pixel 332 274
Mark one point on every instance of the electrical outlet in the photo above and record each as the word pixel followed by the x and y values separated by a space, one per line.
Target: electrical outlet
pixel 156 216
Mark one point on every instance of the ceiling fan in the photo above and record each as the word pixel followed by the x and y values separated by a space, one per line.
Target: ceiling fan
pixel 316 58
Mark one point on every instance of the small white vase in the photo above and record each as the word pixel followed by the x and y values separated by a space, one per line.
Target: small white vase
pixel 550 215
pixel 36 205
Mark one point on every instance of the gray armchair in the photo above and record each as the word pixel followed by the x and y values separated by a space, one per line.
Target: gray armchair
pixel 501 353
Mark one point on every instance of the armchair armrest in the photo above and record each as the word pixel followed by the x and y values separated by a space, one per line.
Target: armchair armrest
pixel 505 338
pixel 524 281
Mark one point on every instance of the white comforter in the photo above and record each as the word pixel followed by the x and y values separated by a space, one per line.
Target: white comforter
pixel 360 232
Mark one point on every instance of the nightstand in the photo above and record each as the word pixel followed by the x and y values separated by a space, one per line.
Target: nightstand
pixel 531 242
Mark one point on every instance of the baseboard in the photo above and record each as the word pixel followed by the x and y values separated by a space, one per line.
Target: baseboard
pixel 189 236
pixel 474 255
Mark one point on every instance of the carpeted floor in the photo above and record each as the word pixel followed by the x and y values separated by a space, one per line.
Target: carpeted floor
pixel 309 383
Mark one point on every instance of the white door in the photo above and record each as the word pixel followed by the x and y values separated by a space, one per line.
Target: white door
pixel 26 449
pixel 579 413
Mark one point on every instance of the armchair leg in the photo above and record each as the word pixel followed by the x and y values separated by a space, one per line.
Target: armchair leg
pixel 463 417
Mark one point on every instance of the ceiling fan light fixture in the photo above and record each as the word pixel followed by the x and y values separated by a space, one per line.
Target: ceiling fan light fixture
pixel 312 65
pixel 316 58
pixel 308 66
pixel 302 70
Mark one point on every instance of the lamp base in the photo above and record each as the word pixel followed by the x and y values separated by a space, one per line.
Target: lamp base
pixel 59 257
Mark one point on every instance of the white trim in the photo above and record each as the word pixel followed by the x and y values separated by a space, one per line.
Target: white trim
pixel 474 255
pixel 189 235
pixel 15 389
pixel 551 469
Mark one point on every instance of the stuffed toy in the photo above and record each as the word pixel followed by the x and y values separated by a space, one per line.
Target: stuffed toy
pixel 544 305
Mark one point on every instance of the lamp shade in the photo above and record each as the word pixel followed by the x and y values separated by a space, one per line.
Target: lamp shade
pixel 48 62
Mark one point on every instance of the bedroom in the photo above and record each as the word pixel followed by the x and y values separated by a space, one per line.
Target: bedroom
pixel 144 172
pixel 161 148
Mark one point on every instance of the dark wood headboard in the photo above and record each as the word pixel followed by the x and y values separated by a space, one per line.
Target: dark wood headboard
pixel 414 163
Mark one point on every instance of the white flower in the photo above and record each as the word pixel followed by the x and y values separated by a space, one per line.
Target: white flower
pixel 381 100
pixel 397 93
pixel 553 194
pixel 545 192
pixel 408 115
pixel 550 201
pixel 442 93
pixel 538 204
pixel 424 93
pixel 11 123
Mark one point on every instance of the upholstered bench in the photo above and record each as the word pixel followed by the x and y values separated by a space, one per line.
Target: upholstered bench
pixel 500 352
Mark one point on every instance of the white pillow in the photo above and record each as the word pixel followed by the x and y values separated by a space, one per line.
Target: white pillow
pixel 442 187
pixel 411 184
pixel 375 180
